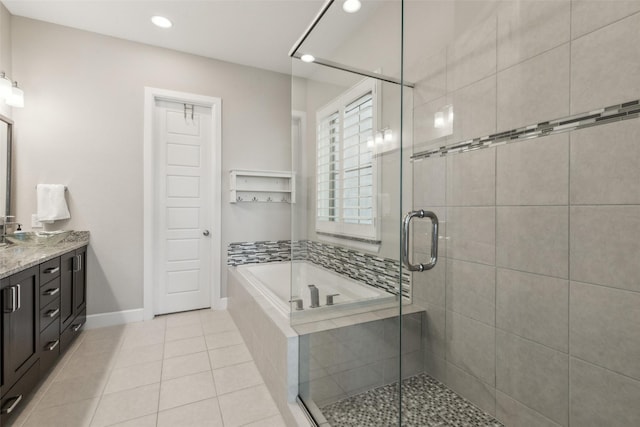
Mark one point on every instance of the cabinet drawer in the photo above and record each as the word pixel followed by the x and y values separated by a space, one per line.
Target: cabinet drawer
pixel 49 346
pixel 49 270
pixel 50 292
pixel 16 397
pixel 50 313
pixel 74 329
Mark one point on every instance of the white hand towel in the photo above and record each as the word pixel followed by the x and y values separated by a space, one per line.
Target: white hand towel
pixel 52 205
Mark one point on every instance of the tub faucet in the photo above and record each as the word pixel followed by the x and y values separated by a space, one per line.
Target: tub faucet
pixel 298 302
pixel 330 298
pixel 315 296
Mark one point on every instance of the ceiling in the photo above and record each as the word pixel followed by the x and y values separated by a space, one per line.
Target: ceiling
pixel 256 33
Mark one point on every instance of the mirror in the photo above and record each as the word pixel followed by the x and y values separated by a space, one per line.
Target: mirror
pixel 6 129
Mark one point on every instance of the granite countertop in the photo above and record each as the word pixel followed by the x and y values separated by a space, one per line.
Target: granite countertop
pixel 15 258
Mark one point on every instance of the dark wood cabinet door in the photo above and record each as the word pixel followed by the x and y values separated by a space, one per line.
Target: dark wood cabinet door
pixel 21 332
pixel 67 263
pixel 80 281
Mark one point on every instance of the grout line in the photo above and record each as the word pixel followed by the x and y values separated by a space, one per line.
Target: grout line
pixel 599 28
pixel 636 380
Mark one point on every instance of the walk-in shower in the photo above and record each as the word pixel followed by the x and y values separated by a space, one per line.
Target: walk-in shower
pixel 478 163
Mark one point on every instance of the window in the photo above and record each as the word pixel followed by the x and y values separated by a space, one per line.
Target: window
pixel 346 165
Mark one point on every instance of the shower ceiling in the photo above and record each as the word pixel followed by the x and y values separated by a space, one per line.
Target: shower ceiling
pixel 256 33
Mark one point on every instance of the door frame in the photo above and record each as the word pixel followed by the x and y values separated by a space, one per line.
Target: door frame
pixel 149 239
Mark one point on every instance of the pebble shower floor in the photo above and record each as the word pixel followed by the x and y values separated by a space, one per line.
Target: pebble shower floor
pixel 426 402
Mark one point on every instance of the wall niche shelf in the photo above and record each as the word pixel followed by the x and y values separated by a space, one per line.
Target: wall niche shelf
pixel 261 186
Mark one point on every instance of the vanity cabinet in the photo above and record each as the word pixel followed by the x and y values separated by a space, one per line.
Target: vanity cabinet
pixel 44 310
pixel 73 283
pixel 20 324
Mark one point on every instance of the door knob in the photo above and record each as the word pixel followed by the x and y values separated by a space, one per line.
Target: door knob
pixel 205 232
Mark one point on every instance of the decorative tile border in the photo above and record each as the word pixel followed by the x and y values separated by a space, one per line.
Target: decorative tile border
pixel 258 252
pixel 614 113
pixel 381 273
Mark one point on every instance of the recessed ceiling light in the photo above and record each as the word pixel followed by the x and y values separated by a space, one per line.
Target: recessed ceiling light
pixel 307 58
pixel 351 6
pixel 161 21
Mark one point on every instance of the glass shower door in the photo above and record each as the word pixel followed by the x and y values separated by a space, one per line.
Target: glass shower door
pixel 525 128
pixel 516 124
pixel 347 276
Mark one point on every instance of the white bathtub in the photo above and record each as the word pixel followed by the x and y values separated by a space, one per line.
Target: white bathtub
pixel 273 280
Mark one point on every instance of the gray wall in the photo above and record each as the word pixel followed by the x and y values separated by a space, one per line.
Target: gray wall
pixel 532 312
pixel 5 51
pixel 83 126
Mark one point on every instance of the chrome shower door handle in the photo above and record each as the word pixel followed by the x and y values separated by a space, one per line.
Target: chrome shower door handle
pixel 434 240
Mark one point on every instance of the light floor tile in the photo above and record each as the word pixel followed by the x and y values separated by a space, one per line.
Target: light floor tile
pixel 184 347
pixel 203 413
pixel 214 326
pixel 185 390
pixel 126 405
pixel 214 315
pixel 86 365
pixel 77 414
pixel 223 339
pixel 146 421
pixel 110 332
pixel 73 389
pixel 236 377
pixel 183 332
pixel 228 356
pixel 275 421
pixel 116 379
pixel 236 411
pixel 183 319
pixel 134 376
pixel 139 355
pixel 185 365
pixel 96 346
pixel 143 337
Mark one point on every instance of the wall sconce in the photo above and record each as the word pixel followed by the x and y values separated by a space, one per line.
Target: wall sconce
pixel 382 136
pixel 10 92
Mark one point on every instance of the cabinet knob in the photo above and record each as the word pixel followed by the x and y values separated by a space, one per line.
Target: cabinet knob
pixel 205 233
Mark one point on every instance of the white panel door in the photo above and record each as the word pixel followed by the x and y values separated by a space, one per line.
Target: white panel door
pixel 183 207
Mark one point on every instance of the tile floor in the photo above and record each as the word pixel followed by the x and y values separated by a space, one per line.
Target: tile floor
pixel 426 402
pixel 186 369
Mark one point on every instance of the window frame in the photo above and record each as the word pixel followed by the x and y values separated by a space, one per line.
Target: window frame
pixel 368 233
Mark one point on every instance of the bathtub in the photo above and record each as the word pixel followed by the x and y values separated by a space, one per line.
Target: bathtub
pixel 258 300
pixel 273 281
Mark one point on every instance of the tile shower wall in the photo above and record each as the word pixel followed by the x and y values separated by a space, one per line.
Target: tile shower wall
pixel 532 311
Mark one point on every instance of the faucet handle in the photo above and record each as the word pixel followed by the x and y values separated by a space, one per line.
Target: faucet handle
pixel 330 298
pixel 298 302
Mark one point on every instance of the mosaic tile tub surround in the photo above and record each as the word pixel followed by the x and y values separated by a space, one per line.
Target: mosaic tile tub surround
pixel 381 273
pixel 258 252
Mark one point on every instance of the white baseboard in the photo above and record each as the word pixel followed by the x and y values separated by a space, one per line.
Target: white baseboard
pixel 128 316
pixel 114 318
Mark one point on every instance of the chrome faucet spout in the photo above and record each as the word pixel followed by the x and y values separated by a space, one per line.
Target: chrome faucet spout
pixel 315 296
pixel 298 302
